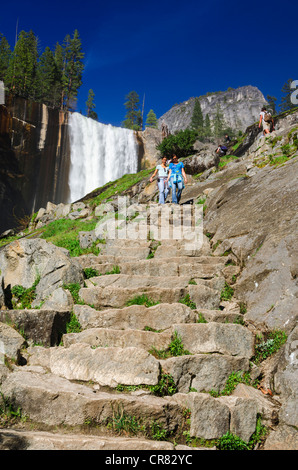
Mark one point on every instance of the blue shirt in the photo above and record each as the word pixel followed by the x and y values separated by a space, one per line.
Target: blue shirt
pixel 176 169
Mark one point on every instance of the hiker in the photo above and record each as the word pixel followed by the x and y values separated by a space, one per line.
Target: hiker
pixel 162 181
pixel 227 137
pixel 176 177
pixel 222 150
pixel 266 120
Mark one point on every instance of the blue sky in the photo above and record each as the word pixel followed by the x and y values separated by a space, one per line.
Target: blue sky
pixel 167 51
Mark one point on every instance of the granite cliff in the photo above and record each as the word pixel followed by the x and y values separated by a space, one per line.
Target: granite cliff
pixel 240 108
pixel 34 158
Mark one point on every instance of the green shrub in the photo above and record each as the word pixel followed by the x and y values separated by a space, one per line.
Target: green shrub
pixel 227 292
pixel 65 234
pixel 90 272
pixel 165 387
pixel 25 296
pixel 188 302
pixel 272 343
pixel 73 326
pixel 74 289
pixel 141 300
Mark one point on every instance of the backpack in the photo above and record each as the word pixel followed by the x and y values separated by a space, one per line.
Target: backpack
pixel 267 117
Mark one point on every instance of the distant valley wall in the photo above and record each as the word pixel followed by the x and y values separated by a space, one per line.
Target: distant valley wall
pixel 240 108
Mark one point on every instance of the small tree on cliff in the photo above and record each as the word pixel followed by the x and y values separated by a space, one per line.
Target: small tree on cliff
pixel 91 105
pixel 151 120
pixel 133 118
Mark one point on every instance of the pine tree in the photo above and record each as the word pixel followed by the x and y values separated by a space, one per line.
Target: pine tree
pixel 286 103
pixel 91 105
pixel 5 55
pixel 218 122
pixel 272 104
pixel 133 118
pixel 197 120
pixel 73 67
pixel 151 120
pixel 21 72
pixel 47 78
pixel 207 127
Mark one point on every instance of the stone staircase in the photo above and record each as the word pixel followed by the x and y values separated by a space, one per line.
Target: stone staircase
pixel 102 388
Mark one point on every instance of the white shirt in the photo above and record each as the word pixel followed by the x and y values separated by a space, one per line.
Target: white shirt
pixel 162 171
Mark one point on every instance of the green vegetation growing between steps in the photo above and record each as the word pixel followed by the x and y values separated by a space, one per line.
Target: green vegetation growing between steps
pixel 74 289
pixel 166 386
pixel 268 344
pixel 73 326
pixel 9 415
pixel 65 233
pixel 188 302
pixel 141 300
pixel 227 292
pixel 90 272
pixel 233 380
pixel 175 348
pixel 232 442
pixel 24 296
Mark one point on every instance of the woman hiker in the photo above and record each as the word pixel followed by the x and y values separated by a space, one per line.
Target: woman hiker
pixel 162 182
pixel 176 177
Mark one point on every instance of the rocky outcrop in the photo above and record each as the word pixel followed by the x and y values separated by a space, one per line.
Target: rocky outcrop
pixel 240 108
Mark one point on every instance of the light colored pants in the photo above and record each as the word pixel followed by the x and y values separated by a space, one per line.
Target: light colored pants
pixel 163 190
pixel 176 195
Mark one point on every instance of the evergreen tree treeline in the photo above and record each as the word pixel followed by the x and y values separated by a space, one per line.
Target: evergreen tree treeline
pixel 53 77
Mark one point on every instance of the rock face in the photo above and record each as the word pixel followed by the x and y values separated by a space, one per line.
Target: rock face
pixel 240 108
pixel 34 153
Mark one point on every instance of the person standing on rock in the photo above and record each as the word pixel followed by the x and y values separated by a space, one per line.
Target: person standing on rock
pixel 176 177
pixel 265 120
pixel 162 181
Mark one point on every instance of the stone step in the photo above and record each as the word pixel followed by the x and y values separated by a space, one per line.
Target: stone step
pixel 203 372
pixel 11 439
pixel 133 281
pixel 220 316
pixel 212 418
pixel 227 339
pixel 40 326
pixel 130 251
pixel 154 267
pixel 107 337
pixel 117 297
pixel 105 366
pixel 91 260
pixel 158 317
pixel 51 400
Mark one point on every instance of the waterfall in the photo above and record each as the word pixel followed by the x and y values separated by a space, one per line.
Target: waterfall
pixel 99 153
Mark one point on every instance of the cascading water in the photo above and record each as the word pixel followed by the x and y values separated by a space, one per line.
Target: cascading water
pixel 99 153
